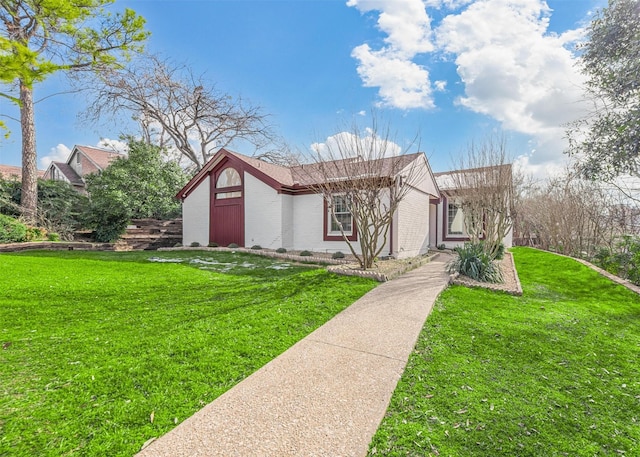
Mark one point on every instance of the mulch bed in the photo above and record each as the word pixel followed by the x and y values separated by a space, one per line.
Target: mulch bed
pixel 511 284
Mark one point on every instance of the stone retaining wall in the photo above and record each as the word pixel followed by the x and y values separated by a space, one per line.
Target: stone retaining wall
pixel 56 245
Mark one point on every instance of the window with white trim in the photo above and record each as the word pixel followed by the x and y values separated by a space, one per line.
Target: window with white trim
pixel 340 215
pixel 455 220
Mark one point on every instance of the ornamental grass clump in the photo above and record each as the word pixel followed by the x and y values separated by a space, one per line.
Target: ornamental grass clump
pixel 472 261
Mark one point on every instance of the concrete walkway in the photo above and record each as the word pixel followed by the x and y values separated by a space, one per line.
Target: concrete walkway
pixel 326 395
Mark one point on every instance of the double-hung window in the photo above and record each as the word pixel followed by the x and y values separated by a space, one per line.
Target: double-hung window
pixel 336 214
pixel 455 220
pixel 341 216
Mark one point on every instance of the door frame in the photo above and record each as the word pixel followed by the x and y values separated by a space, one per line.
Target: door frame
pixel 236 201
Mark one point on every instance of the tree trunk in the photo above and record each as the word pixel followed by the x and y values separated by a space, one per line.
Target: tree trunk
pixel 29 198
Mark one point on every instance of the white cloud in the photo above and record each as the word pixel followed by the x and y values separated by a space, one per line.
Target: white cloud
pixel 362 113
pixel 406 23
pixel 59 153
pixel 514 70
pixel 347 144
pixel 540 170
pixel 401 82
pixel 113 145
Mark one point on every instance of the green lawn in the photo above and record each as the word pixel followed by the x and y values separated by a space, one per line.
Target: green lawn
pixel 555 372
pixel 101 351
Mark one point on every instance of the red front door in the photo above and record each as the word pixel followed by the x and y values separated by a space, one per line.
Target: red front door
pixel 226 223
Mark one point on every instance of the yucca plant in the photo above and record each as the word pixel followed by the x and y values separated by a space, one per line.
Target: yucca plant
pixel 472 261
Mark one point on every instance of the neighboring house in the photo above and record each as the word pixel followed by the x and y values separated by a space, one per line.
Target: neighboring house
pixel 242 200
pixel 447 219
pixel 12 172
pixel 82 161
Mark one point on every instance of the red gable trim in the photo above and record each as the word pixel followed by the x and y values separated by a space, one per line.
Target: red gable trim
pixel 236 161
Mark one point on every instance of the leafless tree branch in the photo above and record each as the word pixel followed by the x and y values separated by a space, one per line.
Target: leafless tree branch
pixel 176 108
pixel 368 173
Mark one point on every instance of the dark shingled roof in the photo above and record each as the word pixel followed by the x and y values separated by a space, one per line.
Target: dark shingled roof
pixel 69 173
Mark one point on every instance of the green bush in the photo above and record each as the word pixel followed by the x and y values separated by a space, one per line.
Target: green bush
pixel 442 247
pixel 306 253
pixel 281 250
pixel 61 208
pixel 195 244
pixel 213 245
pixel 139 186
pixel 232 246
pixel 35 234
pixel 623 260
pixel 53 236
pixel 472 261
pixel 12 230
pixel 108 219
pixel 337 255
pixel 10 190
pixel 256 247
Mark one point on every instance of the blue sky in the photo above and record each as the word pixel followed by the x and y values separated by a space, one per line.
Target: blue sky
pixel 450 71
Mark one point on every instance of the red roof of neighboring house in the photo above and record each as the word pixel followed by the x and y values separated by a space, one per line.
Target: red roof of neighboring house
pixel 101 157
pixel 90 160
pixel 10 171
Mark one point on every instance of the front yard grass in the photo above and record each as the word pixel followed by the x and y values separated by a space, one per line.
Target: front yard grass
pixel 555 372
pixel 101 351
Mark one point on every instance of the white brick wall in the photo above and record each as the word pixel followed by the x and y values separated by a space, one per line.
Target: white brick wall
pixel 195 215
pixel 287 221
pixel 262 214
pixel 308 226
pixel 413 225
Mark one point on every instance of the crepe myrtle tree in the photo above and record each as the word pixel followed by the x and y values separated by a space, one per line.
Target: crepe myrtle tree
pixel 364 174
pixel 483 189
pixel 39 38
pixel 178 110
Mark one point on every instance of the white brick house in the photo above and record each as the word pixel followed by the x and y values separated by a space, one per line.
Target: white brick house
pixel 242 200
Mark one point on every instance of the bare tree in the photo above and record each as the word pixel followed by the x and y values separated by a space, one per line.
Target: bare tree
pixel 483 188
pixel 363 176
pixel 575 216
pixel 177 109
